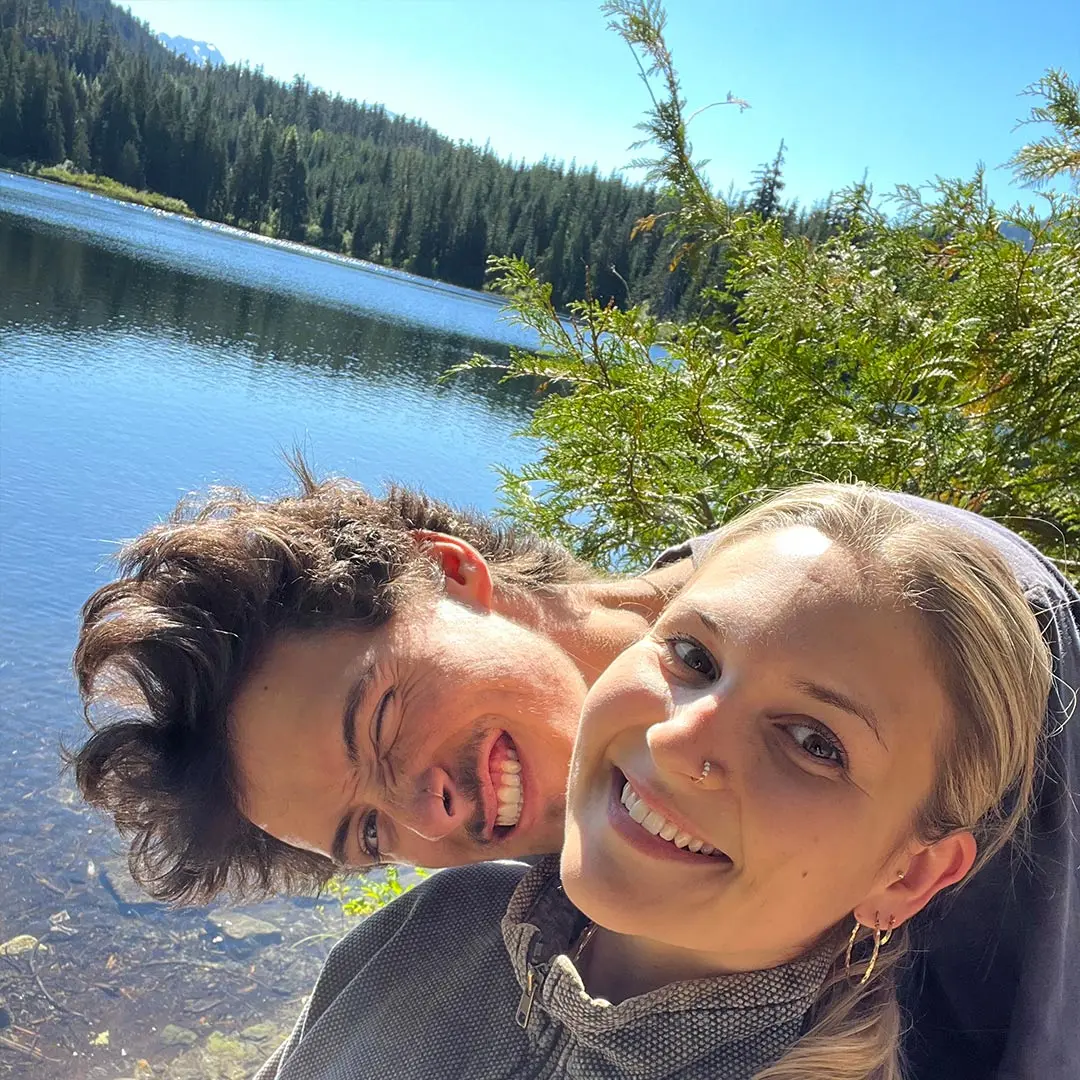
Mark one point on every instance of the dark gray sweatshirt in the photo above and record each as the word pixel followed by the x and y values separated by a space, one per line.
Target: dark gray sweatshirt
pixel 469 976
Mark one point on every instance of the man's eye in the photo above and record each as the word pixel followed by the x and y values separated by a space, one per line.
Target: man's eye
pixel 693 655
pixel 369 835
pixel 817 744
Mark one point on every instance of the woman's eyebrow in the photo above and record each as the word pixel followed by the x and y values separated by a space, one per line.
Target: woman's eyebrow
pixel 681 608
pixel 837 700
pixel 826 695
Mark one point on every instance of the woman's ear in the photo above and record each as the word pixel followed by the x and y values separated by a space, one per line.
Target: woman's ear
pixel 913 885
pixel 466 574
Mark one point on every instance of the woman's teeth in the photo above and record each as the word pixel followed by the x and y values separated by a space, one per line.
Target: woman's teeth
pixel 652 821
pixel 507 777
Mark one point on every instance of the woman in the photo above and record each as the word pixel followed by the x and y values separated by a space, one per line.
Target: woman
pixel 818 736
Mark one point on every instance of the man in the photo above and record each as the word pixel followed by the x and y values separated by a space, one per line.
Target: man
pixel 334 680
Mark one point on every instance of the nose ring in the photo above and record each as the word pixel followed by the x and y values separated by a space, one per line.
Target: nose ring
pixel 704 772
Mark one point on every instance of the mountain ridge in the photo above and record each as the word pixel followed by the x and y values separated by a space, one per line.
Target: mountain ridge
pixel 198 52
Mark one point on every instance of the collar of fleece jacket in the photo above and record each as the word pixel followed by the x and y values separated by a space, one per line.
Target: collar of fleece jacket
pixel 727 1027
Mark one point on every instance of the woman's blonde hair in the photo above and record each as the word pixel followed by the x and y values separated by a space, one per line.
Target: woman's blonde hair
pixel 995 668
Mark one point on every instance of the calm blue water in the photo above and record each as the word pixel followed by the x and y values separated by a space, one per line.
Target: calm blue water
pixel 143 356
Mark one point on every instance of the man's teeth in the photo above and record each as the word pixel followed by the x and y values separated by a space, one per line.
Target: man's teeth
pixel 508 789
pixel 654 822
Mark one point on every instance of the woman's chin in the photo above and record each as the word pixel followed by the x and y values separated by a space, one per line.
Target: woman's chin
pixel 599 890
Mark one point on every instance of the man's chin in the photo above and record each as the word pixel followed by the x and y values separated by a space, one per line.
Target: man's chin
pixel 543 837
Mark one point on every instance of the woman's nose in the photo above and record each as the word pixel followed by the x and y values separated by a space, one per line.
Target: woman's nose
pixel 688 737
pixel 435 808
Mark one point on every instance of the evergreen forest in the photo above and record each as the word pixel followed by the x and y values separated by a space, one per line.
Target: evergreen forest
pixel 83 82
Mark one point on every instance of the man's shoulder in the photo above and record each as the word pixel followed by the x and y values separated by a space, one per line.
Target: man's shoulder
pixel 434 920
pixel 480 890
pixel 425 962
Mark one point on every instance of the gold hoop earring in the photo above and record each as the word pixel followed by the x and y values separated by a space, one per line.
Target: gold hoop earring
pixel 850 945
pixel 880 939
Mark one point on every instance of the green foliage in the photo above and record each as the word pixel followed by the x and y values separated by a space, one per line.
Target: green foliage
pixel 1056 154
pixel 923 350
pixel 106 186
pixel 366 895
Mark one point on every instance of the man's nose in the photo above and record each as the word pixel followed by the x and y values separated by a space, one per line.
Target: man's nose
pixel 436 807
pixel 695 730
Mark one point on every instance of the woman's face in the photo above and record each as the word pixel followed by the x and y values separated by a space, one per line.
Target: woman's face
pixel 820 712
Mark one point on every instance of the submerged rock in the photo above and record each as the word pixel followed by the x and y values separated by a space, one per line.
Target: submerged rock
pixel 241 933
pixel 174 1035
pixel 263 1031
pixel 21 943
pixel 130 898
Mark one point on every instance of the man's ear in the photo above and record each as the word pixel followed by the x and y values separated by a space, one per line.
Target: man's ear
pixel 925 874
pixel 465 571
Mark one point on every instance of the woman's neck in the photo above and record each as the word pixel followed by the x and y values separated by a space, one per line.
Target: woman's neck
pixel 616 966
pixel 619 966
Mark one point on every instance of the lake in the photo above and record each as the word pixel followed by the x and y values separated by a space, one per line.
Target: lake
pixel 144 356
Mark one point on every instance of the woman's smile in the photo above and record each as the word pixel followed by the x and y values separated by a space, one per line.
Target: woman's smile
pixel 657 831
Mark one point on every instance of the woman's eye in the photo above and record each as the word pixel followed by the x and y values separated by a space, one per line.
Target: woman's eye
pixel 817 744
pixel 369 835
pixel 693 655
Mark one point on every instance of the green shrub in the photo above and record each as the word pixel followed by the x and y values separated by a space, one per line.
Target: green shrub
pixel 104 185
pixel 918 347
pixel 364 896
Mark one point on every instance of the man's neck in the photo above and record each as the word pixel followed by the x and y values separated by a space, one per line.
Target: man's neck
pixel 594 621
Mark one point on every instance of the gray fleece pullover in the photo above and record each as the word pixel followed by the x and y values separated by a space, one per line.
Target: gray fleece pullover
pixel 435 986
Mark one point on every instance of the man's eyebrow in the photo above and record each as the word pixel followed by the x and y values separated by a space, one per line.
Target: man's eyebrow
pixel 341 839
pixel 353 700
pixel 837 700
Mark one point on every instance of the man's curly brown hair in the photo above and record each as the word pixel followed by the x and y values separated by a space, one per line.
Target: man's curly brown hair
pixel 163 650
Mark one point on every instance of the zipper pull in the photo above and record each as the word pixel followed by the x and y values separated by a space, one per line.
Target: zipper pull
pixel 533 980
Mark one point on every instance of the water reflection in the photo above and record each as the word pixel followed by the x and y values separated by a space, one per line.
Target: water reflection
pixel 59 282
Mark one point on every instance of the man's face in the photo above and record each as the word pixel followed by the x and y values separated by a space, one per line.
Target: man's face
pixel 441 738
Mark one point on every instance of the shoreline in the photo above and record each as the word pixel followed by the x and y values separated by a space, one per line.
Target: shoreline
pixel 123 194
pixel 110 188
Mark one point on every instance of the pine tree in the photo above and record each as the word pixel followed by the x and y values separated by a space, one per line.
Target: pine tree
pixel 331 238
pixel 768 183
pixel 244 200
pixel 11 130
pixel 290 187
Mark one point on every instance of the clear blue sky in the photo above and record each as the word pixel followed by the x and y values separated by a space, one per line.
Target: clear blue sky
pixel 903 90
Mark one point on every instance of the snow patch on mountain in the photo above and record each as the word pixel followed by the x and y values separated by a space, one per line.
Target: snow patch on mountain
pixel 198 52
